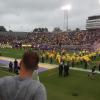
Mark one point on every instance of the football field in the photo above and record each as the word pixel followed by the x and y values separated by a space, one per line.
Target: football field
pixel 78 86
pixel 75 87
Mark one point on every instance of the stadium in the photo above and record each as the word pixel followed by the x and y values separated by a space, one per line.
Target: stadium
pixel 93 23
pixel 69 61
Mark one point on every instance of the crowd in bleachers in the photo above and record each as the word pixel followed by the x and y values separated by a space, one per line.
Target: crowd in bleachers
pixel 6 39
pixel 71 38
pixel 57 39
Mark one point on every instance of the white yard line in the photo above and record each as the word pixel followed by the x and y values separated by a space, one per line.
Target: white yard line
pixel 49 66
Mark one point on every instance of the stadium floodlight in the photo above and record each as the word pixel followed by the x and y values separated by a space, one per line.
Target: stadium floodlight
pixel 66 10
pixel 66 7
pixel 99 1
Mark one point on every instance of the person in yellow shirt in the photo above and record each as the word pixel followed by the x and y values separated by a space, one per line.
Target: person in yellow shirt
pixel 58 58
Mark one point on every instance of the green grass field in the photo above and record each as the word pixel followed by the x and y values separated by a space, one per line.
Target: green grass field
pixel 14 53
pixel 63 88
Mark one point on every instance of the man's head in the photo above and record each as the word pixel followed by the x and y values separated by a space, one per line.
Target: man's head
pixel 29 62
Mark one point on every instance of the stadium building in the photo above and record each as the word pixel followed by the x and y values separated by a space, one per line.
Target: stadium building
pixel 93 23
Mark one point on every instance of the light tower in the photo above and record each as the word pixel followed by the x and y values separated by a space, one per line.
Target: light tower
pixel 99 1
pixel 66 10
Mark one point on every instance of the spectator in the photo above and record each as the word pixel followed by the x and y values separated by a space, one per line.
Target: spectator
pixel 23 87
pixel 16 66
pixel 93 70
pixel 66 70
pixel 10 66
pixel 61 69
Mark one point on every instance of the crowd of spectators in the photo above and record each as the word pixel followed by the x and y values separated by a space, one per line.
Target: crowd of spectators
pixel 6 39
pixel 56 39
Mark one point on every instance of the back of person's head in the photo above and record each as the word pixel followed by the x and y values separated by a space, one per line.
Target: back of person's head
pixel 30 60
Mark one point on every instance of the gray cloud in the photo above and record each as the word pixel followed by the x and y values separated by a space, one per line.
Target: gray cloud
pixel 24 15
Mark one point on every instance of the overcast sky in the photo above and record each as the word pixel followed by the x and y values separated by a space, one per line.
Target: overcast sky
pixel 25 15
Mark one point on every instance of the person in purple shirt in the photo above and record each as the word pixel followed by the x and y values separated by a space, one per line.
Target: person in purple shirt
pixel 23 87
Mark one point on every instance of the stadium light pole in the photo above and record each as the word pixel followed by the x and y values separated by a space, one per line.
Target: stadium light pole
pixel 66 10
pixel 99 1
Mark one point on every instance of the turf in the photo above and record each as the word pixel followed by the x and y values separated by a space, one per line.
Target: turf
pixel 5 73
pixel 13 53
pixel 75 87
pixel 77 83
pixel 17 53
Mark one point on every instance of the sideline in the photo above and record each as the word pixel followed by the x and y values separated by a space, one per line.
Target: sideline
pixel 49 66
